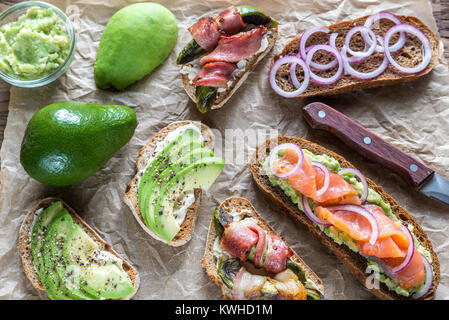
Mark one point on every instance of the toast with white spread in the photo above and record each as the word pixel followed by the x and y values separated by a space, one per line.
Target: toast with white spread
pixel 172 167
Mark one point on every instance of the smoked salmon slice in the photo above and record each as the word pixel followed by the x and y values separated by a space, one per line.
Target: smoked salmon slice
pixel 391 245
pixel 308 179
pixel 339 191
pixel 392 242
pixel 413 275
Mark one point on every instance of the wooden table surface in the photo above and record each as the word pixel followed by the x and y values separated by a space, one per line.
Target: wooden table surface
pixel 440 10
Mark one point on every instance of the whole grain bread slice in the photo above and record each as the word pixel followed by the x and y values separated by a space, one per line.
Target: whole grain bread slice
pixel 209 262
pixel 354 261
pixel 409 56
pixel 25 245
pixel 131 195
pixel 240 77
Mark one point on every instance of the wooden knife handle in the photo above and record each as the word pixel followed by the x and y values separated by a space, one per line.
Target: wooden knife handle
pixel 320 116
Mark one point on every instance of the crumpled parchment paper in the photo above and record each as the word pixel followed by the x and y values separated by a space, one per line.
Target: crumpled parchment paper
pixel 413 116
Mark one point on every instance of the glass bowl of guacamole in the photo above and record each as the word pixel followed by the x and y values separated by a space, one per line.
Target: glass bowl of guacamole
pixel 37 44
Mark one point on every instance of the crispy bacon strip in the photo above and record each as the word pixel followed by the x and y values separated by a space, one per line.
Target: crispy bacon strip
pixel 236 47
pixel 214 74
pixel 230 21
pixel 276 255
pixel 261 244
pixel 271 252
pixel 238 239
pixel 207 31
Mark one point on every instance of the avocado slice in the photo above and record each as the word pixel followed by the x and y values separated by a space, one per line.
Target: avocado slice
pixel 79 246
pixel 37 239
pixel 99 278
pixel 163 178
pixel 185 137
pixel 56 237
pixel 175 153
pixel 53 242
pixel 106 279
pixel 197 175
pixel 68 272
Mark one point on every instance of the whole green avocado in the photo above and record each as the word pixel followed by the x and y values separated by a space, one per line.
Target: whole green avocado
pixel 66 142
pixel 136 40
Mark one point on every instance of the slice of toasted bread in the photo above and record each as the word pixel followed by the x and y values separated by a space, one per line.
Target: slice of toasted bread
pixel 354 261
pixel 131 196
pixel 409 56
pixel 240 74
pixel 209 262
pixel 25 245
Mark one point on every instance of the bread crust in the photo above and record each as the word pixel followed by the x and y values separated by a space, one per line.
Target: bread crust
pixel 209 262
pixel 25 245
pixel 354 261
pixel 223 97
pixel 131 195
pixel 347 83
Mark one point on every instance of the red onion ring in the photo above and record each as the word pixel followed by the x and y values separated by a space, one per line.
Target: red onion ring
pixel 410 251
pixel 361 29
pixel 327 177
pixel 311 215
pixel 274 155
pixel 427 54
pixel 389 16
pixel 332 43
pixel 360 75
pixel 302 45
pixel 428 281
pixel 337 56
pixel 299 88
pixel 362 179
pixel 363 212
pixel 303 51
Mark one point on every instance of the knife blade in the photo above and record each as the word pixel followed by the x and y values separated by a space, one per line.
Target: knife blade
pixel 321 116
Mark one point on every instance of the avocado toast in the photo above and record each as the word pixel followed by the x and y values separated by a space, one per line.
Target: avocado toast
pixel 222 267
pixel 172 168
pixel 345 247
pixel 67 259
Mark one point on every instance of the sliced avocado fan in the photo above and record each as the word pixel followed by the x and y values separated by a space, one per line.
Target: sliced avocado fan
pixel 176 171
pixel 69 262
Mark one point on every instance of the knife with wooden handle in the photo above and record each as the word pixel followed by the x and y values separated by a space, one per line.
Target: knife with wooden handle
pixel 321 116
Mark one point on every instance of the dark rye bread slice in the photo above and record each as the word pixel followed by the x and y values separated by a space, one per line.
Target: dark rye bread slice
pixel 131 196
pixel 409 56
pixel 209 262
pixel 223 97
pixel 25 245
pixel 354 261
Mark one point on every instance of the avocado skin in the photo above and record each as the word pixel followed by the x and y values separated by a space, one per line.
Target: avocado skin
pixel 66 142
pixel 136 40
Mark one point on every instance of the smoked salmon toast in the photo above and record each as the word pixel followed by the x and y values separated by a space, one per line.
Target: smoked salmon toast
pixel 364 226
pixel 249 261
